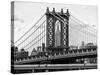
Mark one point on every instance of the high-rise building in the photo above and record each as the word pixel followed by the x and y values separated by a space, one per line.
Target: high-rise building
pixel 57 34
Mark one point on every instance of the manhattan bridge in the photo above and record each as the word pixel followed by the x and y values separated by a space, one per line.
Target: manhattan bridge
pixel 50 42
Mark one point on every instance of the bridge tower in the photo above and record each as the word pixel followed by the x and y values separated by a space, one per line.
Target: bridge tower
pixel 57 30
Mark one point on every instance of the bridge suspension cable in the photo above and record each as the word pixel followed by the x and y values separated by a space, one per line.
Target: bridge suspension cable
pixel 32 33
pixel 35 42
pixel 29 29
pixel 82 31
pixel 77 24
pixel 81 24
pixel 34 38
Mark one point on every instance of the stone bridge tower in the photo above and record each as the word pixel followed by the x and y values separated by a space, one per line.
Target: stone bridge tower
pixel 57 30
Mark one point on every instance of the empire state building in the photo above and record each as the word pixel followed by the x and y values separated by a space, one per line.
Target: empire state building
pixel 57 34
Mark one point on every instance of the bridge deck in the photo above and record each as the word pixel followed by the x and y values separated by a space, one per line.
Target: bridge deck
pixel 64 55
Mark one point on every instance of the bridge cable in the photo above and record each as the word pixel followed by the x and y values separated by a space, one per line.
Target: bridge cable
pixel 86 26
pixel 82 22
pixel 34 39
pixel 29 30
pixel 82 31
pixel 81 25
pixel 31 33
pixel 35 42
pixel 77 22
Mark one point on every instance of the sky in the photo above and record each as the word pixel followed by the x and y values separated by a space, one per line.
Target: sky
pixel 27 13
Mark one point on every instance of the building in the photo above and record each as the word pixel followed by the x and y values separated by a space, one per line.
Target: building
pixel 57 34
pixel 39 48
pixel 34 52
pixel 73 47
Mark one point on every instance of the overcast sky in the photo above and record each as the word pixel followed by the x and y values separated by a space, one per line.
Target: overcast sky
pixel 27 13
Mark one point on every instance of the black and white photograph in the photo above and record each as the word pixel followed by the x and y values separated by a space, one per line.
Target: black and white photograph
pixel 51 37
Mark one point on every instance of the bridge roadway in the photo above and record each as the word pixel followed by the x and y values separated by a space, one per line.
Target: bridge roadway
pixel 68 54
pixel 56 66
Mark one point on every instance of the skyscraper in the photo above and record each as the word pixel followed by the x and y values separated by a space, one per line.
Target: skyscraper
pixel 57 34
